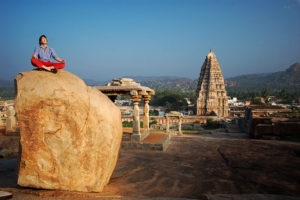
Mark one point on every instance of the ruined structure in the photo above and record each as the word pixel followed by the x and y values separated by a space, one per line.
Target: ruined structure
pixel 212 96
pixel 172 115
pixel 127 86
pixel 11 124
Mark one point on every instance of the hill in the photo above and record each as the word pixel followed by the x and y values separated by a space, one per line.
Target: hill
pixel 167 82
pixel 6 84
pixel 288 79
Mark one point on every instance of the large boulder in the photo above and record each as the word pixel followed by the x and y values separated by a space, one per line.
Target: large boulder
pixel 70 133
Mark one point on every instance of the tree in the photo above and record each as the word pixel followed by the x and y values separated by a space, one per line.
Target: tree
pixel 171 99
pixel 153 121
pixel 153 112
pixel 265 94
pixel 127 124
pixel 283 94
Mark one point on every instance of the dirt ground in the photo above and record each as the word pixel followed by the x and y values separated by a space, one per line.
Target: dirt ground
pixel 198 167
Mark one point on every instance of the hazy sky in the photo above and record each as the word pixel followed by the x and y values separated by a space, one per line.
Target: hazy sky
pixel 104 39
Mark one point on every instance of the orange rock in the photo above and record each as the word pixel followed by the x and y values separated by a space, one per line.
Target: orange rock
pixel 70 133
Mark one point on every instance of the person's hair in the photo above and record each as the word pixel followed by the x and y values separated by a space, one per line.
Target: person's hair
pixel 40 40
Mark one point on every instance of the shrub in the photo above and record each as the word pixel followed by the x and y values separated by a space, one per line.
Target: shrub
pixel 127 124
pixel 210 124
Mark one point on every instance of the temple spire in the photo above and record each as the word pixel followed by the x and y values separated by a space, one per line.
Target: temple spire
pixel 212 96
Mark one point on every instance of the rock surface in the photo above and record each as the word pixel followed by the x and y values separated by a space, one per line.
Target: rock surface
pixel 70 133
pixel 193 167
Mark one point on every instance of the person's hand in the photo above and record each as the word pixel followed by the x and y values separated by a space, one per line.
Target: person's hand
pixel 63 61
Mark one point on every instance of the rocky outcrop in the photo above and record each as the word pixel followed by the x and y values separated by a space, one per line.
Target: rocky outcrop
pixel 70 133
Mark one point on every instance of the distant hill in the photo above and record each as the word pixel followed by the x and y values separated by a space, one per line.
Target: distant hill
pixel 6 84
pixel 92 82
pixel 290 78
pixel 167 82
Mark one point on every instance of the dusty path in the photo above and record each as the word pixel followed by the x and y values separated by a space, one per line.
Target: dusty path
pixel 192 167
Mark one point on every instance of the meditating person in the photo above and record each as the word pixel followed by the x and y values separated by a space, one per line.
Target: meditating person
pixel 42 55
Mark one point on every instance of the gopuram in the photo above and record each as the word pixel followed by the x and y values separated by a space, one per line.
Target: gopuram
pixel 212 96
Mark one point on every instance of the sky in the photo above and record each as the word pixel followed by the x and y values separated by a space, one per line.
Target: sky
pixel 105 39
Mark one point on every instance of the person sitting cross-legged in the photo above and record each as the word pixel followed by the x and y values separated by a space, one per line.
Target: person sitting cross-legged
pixel 42 55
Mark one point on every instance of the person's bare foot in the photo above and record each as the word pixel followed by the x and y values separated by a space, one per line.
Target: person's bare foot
pixel 46 68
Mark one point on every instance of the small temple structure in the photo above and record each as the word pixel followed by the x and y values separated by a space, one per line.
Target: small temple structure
pixel 127 86
pixel 211 94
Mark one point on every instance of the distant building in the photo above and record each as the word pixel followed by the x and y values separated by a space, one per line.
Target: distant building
pixel 123 102
pixel 212 96
pixel 234 102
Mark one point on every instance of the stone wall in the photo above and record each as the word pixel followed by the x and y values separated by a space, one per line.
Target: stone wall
pixel 186 119
pixel 277 127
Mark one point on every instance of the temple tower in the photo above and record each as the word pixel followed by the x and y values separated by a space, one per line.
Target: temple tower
pixel 211 93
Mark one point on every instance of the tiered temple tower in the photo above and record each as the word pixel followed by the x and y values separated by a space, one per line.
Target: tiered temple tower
pixel 212 96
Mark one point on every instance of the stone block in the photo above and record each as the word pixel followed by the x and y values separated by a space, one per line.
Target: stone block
pixel 263 129
pixel 135 137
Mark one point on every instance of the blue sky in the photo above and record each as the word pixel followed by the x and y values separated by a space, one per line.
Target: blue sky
pixel 104 39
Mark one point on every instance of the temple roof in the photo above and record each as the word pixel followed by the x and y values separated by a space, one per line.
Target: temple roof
pixel 124 86
pixel 211 54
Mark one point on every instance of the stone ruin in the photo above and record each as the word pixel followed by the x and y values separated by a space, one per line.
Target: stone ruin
pixel 123 82
pixel 11 123
pixel 171 115
pixel 261 122
pixel 127 86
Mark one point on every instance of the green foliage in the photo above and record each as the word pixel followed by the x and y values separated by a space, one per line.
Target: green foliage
pixel 265 94
pixel 7 93
pixel 124 97
pixel 171 99
pixel 192 96
pixel 287 97
pixel 250 93
pixel 127 124
pixel 174 99
pixel 256 101
pixel 130 124
pixel 153 112
pixel 210 124
pixel 153 121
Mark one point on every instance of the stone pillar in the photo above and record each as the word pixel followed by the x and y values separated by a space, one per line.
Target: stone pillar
pixel 167 124
pixel 136 115
pixel 179 126
pixel 146 112
pixel 11 124
pixel 136 136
